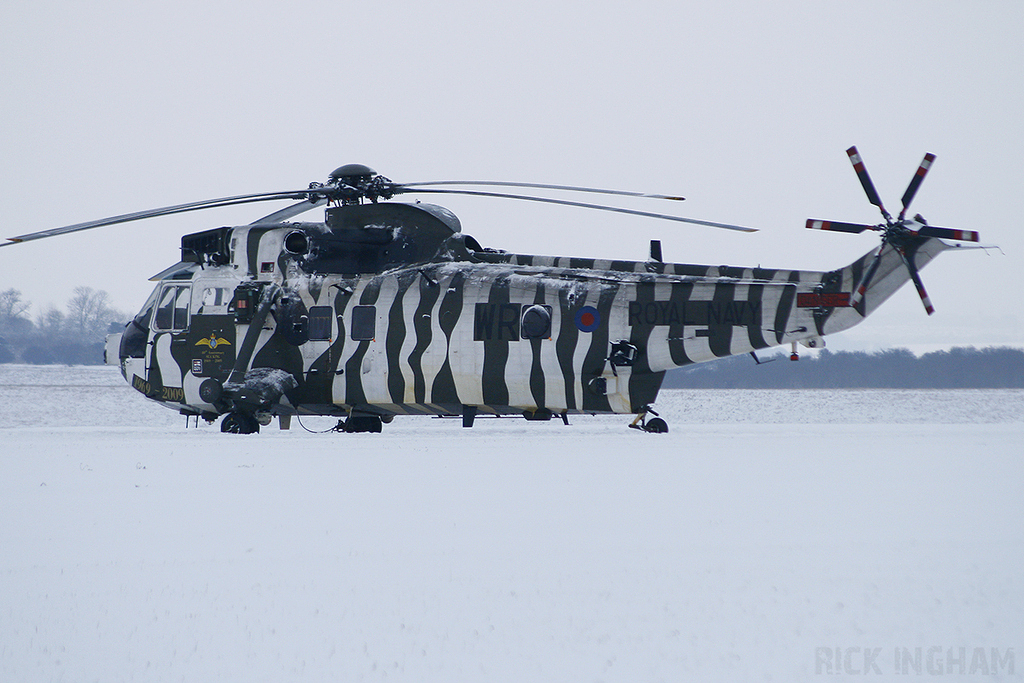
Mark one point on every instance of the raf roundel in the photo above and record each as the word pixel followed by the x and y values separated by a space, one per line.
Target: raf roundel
pixel 587 319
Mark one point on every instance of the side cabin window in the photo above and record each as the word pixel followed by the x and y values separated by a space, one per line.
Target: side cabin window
pixel 213 300
pixel 172 308
pixel 364 320
pixel 320 323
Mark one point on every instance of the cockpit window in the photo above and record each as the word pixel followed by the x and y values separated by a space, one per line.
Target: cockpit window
pixel 146 314
pixel 133 339
pixel 172 308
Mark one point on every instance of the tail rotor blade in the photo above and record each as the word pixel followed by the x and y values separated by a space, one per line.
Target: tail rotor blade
pixel 865 180
pixel 858 295
pixel 912 269
pixel 915 182
pixel 837 226
pixel 948 233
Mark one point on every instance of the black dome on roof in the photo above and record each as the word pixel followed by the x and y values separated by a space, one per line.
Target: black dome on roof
pixel 350 170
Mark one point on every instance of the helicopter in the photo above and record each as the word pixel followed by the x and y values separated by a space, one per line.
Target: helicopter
pixel 387 308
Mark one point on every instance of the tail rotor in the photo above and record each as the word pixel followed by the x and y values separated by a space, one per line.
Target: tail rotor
pixel 903 235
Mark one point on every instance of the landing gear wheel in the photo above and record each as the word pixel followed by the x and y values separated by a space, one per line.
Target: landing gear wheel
pixel 653 426
pixel 239 423
pixel 362 423
pixel 656 426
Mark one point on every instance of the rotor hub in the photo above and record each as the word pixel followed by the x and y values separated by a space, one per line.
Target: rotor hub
pixel 352 183
pixel 352 174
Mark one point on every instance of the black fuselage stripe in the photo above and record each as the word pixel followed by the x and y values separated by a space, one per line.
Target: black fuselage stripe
pixel 396 337
pixel 429 291
pixel 443 389
pixel 495 386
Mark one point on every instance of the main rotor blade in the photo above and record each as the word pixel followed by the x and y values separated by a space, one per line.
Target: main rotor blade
pixel 912 269
pixel 154 213
pixel 562 202
pixel 865 180
pixel 948 233
pixel 915 182
pixel 543 186
pixel 837 226
pixel 291 211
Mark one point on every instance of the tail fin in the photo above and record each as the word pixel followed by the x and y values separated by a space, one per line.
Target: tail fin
pixel 891 271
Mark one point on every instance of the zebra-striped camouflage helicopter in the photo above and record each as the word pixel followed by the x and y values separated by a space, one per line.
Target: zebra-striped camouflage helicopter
pixel 388 308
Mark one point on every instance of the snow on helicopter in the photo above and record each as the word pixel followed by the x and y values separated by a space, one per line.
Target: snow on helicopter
pixel 387 308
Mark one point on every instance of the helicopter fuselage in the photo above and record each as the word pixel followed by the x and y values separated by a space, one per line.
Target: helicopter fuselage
pixel 388 309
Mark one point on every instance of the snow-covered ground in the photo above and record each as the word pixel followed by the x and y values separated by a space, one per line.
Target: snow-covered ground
pixel 770 535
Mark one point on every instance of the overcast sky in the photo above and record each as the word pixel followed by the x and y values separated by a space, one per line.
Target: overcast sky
pixel 745 108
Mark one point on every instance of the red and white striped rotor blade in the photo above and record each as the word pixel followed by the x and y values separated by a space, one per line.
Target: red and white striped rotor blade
pixel 862 288
pixel 915 182
pixel 925 299
pixel 948 233
pixel 837 226
pixel 865 179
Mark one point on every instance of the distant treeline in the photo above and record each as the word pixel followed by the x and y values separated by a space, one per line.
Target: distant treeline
pixel 958 368
pixel 73 336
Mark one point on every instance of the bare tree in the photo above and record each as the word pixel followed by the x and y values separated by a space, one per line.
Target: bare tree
pixel 89 313
pixel 50 323
pixel 84 309
pixel 12 307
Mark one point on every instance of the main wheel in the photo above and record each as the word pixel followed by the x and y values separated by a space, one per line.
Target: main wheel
pixel 363 423
pixel 239 423
pixel 656 426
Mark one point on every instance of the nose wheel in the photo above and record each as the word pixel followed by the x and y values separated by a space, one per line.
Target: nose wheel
pixel 655 425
